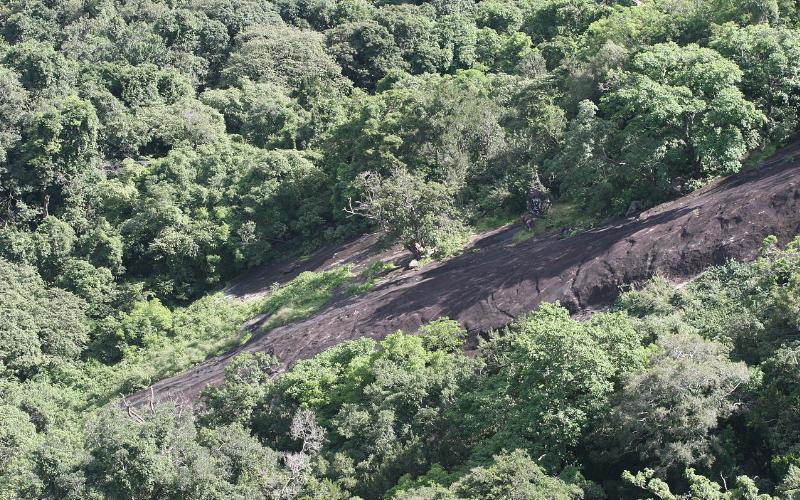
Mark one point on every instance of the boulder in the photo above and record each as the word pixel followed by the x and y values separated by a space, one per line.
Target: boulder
pixel 537 202
pixel 529 220
pixel 676 185
pixel 635 208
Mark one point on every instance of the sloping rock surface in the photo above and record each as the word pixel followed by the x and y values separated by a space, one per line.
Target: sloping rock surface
pixel 495 280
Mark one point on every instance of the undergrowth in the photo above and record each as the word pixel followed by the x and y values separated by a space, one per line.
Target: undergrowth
pixel 358 288
pixel 303 296
pixel 377 267
pixel 206 328
pixel 561 215
pixel 370 276
pixel 494 221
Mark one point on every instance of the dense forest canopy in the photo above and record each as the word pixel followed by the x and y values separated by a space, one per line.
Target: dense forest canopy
pixel 150 151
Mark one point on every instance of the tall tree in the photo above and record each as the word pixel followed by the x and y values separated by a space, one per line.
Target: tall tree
pixel 683 101
pixel 769 58
pixel 366 52
pixel 667 415
pixel 418 213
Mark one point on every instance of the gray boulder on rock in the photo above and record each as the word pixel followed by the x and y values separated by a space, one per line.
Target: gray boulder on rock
pixel 537 202
pixel 676 185
pixel 635 208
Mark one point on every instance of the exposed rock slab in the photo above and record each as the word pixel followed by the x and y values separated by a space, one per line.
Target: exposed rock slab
pixel 496 281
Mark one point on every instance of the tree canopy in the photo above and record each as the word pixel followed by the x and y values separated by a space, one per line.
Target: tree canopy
pixel 151 151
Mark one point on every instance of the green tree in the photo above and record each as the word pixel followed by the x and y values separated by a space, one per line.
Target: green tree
pixel 776 411
pixel 145 324
pixel 43 70
pixel 641 26
pixel 684 102
pixel 769 58
pixel 501 16
pixel 54 241
pixel 699 487
pixel 18 441
pixel 511 475
pixel 548 379
pixel 40 327
pixel 238 15
pixel 414 30
pixel 366 51
pixel 543 21
pixel 458 35
pixel 459 130
pixel 263 113
pixel 395 420
pixel 516 475
pixel 13 104
pixel 143 453
pixel 585 172
pixel 60 143
pixel 137 43
pixel 185 122
pixel 443 334
pixel 282 55
pixel 677 112
pixel 501 52
pixel 321 15
pixel 247 380
pixel 92 284
pixel 745 12
pixel 668 413
pixel 418 213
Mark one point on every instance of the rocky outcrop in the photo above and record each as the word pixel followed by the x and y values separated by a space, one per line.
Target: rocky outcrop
pixel 537 202
pixel 498 281
pixel 634 208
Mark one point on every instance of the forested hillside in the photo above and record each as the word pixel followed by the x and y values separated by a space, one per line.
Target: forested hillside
pixel 151 151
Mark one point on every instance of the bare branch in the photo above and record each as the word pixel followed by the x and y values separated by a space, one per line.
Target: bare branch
pixel 358 210
pixel 131 412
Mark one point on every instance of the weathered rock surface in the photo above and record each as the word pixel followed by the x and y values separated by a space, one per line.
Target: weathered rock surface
pixel 497 281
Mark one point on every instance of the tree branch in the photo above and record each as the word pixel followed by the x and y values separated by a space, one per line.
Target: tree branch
pixel 358 210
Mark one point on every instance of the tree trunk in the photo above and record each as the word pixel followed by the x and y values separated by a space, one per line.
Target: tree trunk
pixel 416 249
pixel 697 165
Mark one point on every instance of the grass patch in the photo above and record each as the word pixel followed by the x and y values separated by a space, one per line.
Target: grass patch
pixel 494 221
pixel 524 235
pixel 559 216
pixel 303 296
pixel 425 261
pixel 369 274
pixel 377 267
pixel 358 288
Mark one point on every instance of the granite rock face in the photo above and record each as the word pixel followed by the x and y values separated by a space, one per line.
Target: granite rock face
pixel 495 281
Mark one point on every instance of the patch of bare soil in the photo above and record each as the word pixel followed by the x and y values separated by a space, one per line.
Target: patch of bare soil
pixel 496 281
